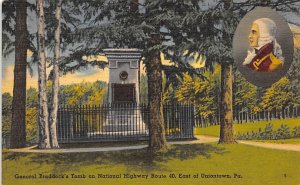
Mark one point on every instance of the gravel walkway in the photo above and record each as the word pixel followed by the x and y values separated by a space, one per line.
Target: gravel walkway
pixel 200 139
pixel 278 146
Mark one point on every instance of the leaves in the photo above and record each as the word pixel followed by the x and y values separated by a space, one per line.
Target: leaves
pixel 245 94
pixel 202 93
pixel 279 95
pixel 283 132
pixel 83 94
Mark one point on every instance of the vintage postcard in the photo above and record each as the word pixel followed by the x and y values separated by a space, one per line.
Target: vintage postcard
pixel 150 92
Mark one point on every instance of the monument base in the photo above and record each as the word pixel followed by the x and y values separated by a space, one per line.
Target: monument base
pixel 125 124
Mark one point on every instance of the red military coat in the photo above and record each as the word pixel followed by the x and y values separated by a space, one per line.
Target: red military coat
pixel 265 60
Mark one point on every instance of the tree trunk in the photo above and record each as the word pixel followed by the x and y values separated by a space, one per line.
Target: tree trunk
pixel 277 114
pixel 44 141
pixel 291 108
pixel 157 140
pixel 238 115
pixel 226 130
pixel 55 84
pixel 18 126
pixel 283 112
pixel 210 120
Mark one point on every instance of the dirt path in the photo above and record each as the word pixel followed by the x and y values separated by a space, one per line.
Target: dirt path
pixel 278 146
pixel 77 150
pixel 200 139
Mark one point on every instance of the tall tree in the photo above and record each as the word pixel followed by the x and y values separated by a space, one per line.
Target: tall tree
pixel 157 139
pixel 128 27
pixel 18 130
pixel 44 140
pixel 226 116
pixel 279 96
pixel 55 83
pixel 203 94
pixel 209 32
pixel 226 119
pixel 180 26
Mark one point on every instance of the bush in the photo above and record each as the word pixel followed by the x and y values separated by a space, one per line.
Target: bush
pixel 296 132
pixel 283 132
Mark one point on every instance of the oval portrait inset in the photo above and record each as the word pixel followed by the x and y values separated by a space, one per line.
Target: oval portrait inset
pixel 263 46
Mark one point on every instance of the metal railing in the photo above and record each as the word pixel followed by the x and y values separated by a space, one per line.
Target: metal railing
pixel 120 122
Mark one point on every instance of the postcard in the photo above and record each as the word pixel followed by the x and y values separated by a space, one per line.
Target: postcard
pixel 150 92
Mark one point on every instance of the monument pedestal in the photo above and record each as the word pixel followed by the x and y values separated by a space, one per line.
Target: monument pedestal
pixel 125 122
pixel 125 117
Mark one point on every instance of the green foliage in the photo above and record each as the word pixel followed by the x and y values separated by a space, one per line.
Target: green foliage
pixel 143 89
pixel 296 131
pixel 6 103
pixel 6 117
pixel 8 30
pixel 181 26
pixel 203 94
pixel 268 134
pixel 245 95
pixel 279 95
pixel 283 132
pixel 31 124
pixel 85 93
pixel 32 98
pixel 294 72
pixel 6 124
pixel 31 115
pixel 76 94
pixel 186 93
pixel 169 95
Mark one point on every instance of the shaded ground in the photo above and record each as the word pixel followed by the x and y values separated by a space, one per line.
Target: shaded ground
pixel 136 157
pixel 200 139
pixel 242 164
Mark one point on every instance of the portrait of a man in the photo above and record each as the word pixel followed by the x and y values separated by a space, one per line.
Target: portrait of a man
pixel 264 53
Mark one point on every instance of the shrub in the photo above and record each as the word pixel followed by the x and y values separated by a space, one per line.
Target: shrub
pixel 296 132
pixel 284 132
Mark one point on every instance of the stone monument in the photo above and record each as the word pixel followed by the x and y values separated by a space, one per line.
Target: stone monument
pixel 123 92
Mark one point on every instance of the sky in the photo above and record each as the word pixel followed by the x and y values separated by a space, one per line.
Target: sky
pixel 89 74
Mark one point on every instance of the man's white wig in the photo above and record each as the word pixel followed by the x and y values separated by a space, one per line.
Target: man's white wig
pixel 267 32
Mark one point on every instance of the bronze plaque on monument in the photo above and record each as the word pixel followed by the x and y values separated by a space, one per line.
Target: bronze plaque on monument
pixel 123 93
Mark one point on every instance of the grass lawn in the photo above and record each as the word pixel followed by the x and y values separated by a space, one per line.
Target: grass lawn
pixel 248 127
pixel 254 166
